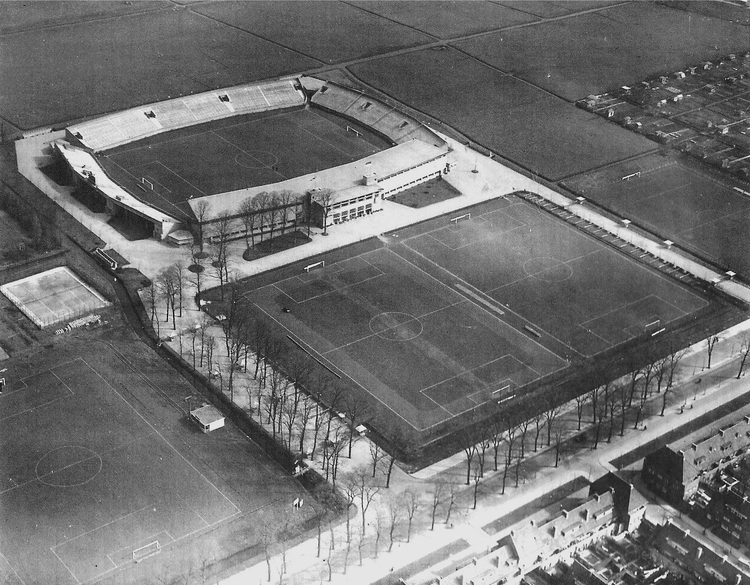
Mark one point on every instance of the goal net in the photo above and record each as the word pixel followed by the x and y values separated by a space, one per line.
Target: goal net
pixel 146 551
pixel 464 217
pixel 315 266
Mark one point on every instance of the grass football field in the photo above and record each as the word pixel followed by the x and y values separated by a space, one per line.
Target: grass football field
pixel 671 199
pixel 99 461
pixel 449 315
pixel 238 153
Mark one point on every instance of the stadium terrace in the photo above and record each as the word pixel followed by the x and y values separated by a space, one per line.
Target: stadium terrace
pixel 179 211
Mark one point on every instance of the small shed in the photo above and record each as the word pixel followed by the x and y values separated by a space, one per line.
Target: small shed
pixel 208 418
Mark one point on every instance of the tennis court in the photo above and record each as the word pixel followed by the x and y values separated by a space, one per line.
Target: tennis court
pixel 89 485
pixel 463 310
pixel 53 296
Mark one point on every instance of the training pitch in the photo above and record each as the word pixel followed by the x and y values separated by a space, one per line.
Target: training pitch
pixel 99 483
pixel 453 313
pixel 675 201
pixel 53 296
pixel 104 479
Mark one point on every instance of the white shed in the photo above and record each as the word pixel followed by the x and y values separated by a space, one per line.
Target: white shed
pixel 208 418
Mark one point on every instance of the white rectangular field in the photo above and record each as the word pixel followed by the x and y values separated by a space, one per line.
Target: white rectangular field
pixel 53 296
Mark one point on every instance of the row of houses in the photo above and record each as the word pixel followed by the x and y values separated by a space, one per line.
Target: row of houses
pixel 609 507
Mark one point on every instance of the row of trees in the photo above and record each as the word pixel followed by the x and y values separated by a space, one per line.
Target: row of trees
pixel 41 232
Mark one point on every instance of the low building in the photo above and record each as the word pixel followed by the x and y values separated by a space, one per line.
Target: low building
pixel 208 418
pixel 675 470
pixel 696 558
pixel 609 507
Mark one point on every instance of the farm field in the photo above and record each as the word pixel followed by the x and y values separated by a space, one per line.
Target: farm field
pixel 496 301
pixel 237 153
pixel 18 16
pixel 118 469
pixel 599 51
pixel 327 31
pixel 75 74
pixel 532 128
pixel 678 203
pixel 550 9
pixel 446 20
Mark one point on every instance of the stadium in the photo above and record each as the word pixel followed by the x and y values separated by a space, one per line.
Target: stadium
pixel 251 158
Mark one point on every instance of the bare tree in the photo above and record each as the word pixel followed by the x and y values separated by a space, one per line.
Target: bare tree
pixel 411 503
pixel 558 442
pixel 581 401
pixel 151 298
pixel 550 415
pixel 469 445
pixel 393 509
pixel 452 496
pixel 510 439
pixel 366 492
pixel 324 198
pixel 376 456
pixel 436 501
pixel 286 200
pixel 221 260
pixel 673 363
pixel 711 342
pixel 250 220
pixel 201 211
pixel 744 353
pixel 539 422
pixel 271 216
pixel 356 410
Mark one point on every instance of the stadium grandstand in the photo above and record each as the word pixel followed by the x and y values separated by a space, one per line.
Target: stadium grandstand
pixel 359 107
pixel 139 123
pixel 168 206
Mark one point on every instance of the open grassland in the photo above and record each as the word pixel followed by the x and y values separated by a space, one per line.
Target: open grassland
pixel 529 126
pixel 598 51
pixel 68 72
pixel 446 20
pixel 328 31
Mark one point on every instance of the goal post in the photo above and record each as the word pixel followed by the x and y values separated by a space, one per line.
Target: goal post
pixel 147 183
pixel 146 551
pixel 455 220
pixel 315 266
pixel 356 132
pixel 636 175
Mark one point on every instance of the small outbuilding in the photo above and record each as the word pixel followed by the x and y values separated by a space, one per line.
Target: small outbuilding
pixel 208 418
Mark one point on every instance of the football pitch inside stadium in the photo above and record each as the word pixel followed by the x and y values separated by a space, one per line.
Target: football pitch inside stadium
pixel 453 313
pixel 237 153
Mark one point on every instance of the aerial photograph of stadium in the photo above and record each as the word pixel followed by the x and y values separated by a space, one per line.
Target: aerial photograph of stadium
pixel 390 292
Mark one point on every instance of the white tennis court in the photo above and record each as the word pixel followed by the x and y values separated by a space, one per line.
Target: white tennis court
pixel 53 296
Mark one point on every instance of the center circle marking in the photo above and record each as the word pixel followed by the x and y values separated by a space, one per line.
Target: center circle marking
pixel 68 466
pixel 396 326
pixel 256 159
pixel 547 269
